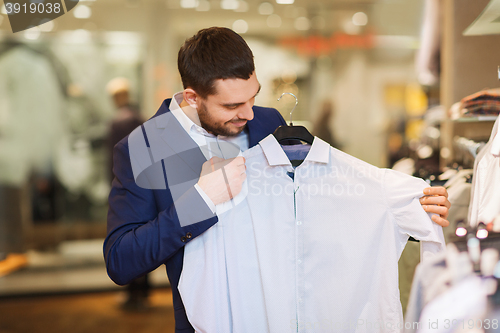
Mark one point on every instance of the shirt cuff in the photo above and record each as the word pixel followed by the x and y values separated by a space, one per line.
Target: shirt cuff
pixel 205 197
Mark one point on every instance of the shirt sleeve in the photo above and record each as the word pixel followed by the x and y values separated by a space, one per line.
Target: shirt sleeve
pixel 205 197
pixel 402 194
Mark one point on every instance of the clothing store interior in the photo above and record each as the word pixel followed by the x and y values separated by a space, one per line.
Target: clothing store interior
pixel 397 87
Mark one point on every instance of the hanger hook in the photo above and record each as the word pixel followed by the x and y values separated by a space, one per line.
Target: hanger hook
pixel 296 102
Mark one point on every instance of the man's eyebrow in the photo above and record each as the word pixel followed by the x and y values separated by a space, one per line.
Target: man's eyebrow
pixel 238 104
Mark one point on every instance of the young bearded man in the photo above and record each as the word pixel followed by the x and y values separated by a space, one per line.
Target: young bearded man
pixel 174 169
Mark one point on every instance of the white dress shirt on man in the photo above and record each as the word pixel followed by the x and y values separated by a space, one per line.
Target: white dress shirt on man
pixel 311 249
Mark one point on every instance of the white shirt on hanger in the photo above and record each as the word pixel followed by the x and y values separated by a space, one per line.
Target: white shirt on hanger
pixel 316 252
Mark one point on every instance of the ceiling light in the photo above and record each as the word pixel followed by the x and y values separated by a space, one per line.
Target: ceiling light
pixel 229 4
pixel 266 8
pixel 460 232
pixel 82 12
pixel 285 2
pixel 273 21
pixel 240 26
pixel 302 23
pixel 189 3
pixel 482 232
pixel 360 19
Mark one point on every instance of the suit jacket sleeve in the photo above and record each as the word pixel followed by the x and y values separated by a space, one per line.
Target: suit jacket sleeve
pixel 143 227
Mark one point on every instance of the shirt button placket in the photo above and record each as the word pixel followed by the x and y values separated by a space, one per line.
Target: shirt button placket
pixel 299 254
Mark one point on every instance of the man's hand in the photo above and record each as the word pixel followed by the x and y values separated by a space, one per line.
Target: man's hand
pixel 436 201
pixel 221 179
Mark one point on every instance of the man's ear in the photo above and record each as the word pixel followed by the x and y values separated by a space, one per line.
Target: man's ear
pixel 191 97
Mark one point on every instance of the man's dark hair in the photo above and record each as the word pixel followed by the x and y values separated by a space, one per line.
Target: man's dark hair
pixel 214 53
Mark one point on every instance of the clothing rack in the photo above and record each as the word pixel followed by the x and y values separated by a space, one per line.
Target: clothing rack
pixel 487 239
pixel 466 150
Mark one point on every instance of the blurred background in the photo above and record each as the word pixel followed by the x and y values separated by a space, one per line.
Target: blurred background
pixel 375 78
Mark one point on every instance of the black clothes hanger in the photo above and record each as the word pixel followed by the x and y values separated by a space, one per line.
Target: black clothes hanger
pixel 293 132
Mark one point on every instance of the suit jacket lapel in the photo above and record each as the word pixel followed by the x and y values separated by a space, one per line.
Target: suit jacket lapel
pixel 251 127
pixel 171 141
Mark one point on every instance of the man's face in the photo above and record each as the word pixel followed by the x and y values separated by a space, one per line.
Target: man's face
pixel 228 110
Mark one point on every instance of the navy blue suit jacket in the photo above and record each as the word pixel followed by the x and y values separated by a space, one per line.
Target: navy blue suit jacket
pixel 144 231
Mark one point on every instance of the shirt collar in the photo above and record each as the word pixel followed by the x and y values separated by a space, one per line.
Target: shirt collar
pixel 183 119
pixel 319 152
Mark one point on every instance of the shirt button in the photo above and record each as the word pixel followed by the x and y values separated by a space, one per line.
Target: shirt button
pixel 299 261
pixel 300 300
pixel 189 235
pixel 299 222
pixel 183 239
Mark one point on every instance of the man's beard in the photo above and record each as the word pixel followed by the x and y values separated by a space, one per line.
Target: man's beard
pixel 210 126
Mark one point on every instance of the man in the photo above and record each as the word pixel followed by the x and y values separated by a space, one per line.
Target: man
pixel 165 191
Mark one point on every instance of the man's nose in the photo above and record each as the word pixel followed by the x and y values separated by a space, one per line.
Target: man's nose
pixel 246 112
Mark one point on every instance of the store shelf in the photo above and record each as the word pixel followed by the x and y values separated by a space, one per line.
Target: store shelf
pixel 475 119
pixel 487 23
pixel 76 266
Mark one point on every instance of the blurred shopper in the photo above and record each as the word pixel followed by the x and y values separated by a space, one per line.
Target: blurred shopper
pixel 322 126
pixel 127 116
pixel 149 219
pixel 126 119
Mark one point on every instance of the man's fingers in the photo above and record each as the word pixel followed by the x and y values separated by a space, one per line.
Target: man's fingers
pixel 439 220
pixel 222 179
pixel 434 200
pixel 242 168
pixel 240 160
pixel 436 190
pixel 441 210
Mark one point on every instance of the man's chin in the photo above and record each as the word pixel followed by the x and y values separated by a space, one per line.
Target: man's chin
pixel 234 131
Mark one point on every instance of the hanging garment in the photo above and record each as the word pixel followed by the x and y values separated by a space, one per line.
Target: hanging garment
pixel 485 195
pixel 428 56
pixel 31 109
pixel 310 249
pixel 454 311
pixel 459 188
pixel 447 294
pixel 427 275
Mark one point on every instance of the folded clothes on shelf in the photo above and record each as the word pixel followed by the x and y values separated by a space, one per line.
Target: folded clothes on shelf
pixel 481 103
